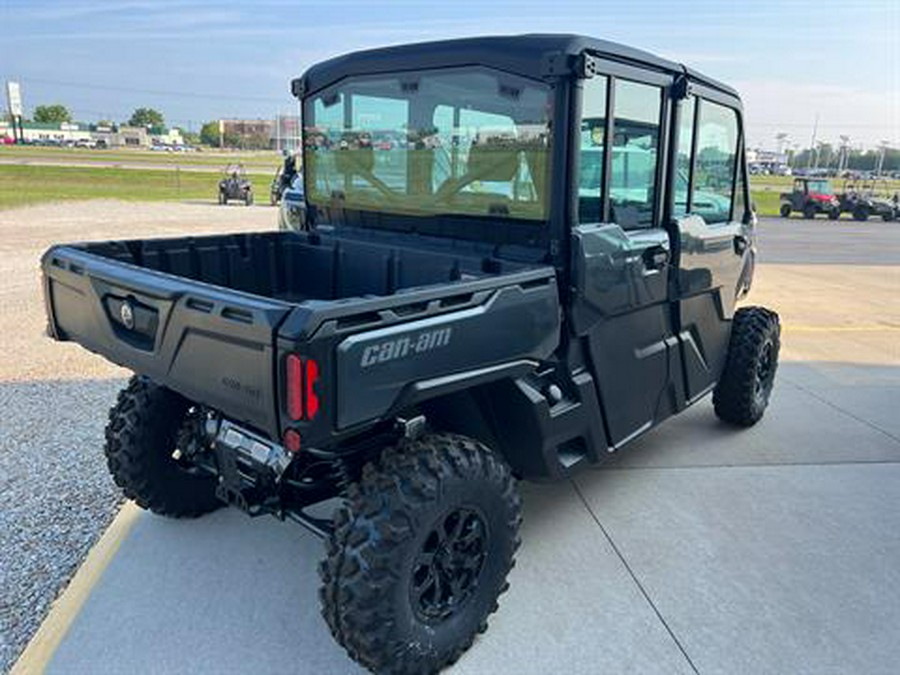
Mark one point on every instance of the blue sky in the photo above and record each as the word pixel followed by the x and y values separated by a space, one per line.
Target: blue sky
pixel 197 61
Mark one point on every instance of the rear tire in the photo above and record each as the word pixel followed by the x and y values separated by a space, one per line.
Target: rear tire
pixel 834 214
pixel 420 553
pixel 743 391
pixel 222 198
pixel 248 199
pixel 785 210
pixel 140 438
pixel 810 211
pixel 861 213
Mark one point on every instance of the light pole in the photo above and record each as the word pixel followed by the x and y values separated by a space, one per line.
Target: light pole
pixel 882 150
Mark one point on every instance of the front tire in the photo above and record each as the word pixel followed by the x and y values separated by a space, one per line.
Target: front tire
pixel 743 391
pixel 420 553
pixel 785 210
pixel 141 436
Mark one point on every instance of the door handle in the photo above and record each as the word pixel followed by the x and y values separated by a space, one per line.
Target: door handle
pixel 740 243
pixel 656 257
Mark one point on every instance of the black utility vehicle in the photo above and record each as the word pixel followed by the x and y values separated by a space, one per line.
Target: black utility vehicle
pixel 866 198
pixel 235 185
pixel 543 267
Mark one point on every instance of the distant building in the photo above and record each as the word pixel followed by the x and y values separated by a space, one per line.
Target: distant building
pixel 67 133
pixel 767 161
pixel 35 132
pixel 250 133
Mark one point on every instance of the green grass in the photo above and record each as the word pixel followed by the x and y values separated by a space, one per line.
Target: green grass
pixel 24 185
pixel 21 185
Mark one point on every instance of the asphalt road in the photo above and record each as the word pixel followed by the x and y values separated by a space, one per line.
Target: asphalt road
pixel 823 241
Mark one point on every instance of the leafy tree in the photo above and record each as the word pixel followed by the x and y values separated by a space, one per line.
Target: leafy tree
pixel 190 137
pixel 209 133
pixel 146 117
pixel 52 114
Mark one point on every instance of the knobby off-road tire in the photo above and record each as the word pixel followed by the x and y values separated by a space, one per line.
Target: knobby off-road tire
pixel 140 438
pixel 420 553
pixel 743 391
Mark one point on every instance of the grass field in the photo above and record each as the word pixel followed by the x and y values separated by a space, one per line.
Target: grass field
pixel 23 185
pixel 32 184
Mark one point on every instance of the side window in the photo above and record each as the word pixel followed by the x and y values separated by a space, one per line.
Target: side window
pixel 683 154
pixel 714 167
pixel 590 166
pixel 635 153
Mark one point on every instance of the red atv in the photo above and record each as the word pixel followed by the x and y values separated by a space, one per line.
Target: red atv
pixel 811 196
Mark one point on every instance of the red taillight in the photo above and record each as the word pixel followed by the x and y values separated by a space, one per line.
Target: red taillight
pixel 294 387
pixel 312 398
pixel 302 398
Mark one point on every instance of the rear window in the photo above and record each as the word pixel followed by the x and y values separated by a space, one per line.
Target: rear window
pixel 461 141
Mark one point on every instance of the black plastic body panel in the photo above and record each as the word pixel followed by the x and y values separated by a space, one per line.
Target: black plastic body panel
pixel 211 344
pixel 214 317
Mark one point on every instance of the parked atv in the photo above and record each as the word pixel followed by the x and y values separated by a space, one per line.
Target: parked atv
pixel 811 197
pixel 867 198
pixel 235 185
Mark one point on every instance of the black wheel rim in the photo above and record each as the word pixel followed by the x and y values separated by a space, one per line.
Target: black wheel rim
pixel 446 571
pixel 765 370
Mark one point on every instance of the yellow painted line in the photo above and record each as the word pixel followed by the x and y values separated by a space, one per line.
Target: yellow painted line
pixel 37 655
pixel 862 328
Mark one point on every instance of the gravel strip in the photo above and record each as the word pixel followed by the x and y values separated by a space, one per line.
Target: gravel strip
pixel 56 496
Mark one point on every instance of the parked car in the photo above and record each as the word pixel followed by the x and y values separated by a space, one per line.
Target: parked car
pixel 434 335
pixel 811 197
pixel 235 185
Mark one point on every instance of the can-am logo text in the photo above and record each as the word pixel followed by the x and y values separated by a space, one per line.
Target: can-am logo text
pixel 408 345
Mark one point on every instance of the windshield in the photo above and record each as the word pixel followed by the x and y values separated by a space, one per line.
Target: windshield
pixel 462 141
pixel 822 187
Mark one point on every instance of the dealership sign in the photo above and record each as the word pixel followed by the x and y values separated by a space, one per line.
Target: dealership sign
pixel 14 98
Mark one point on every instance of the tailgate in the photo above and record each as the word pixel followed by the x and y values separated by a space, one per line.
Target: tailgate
pixel 211 344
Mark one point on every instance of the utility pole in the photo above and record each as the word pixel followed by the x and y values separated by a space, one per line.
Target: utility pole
pixel 812 145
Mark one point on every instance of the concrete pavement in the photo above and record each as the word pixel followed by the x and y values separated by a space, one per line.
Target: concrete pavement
pixel 700 549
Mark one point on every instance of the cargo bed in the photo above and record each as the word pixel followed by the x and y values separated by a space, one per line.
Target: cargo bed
pixel 205 315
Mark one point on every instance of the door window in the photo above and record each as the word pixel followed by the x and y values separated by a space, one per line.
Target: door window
pixel 683 155
pixel 714 173
pixel 635 153
pixel 591 150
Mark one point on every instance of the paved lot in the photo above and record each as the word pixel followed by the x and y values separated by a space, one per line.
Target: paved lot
pixel 699 549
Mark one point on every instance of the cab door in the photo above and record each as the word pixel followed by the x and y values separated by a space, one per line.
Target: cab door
pixel 715 233
pixel 622 253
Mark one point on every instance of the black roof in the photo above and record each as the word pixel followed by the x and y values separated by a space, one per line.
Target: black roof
pixel 519 54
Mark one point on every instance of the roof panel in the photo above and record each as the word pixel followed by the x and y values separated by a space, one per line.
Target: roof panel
pixel 520 54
